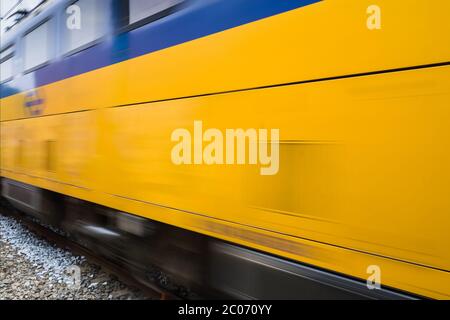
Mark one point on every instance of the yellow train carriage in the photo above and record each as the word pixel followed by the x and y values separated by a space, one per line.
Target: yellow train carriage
pixel 359 92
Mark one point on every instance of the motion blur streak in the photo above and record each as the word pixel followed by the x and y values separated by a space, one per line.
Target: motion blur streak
pixel 363 115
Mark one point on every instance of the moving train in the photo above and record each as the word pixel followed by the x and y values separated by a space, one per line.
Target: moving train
pixel 92 92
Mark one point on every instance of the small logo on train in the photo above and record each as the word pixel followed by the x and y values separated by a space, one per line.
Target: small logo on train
pixel 34 103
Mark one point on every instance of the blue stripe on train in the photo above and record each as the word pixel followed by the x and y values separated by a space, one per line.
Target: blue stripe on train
pixel 199 19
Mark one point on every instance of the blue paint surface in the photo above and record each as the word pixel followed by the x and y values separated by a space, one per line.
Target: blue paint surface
pixel 199 18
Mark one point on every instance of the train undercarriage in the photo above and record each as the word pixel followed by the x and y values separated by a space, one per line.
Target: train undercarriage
pixel 187 264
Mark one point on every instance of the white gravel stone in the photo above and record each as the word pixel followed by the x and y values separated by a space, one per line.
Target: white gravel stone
pixel 53 262
pixel 32 268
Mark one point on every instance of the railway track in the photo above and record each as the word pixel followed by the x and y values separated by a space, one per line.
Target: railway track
pixel 58 239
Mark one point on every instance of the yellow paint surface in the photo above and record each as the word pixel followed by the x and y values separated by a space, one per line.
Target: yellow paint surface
pixel 364 162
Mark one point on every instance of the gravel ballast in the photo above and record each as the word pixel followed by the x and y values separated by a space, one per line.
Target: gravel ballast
pixel 32 268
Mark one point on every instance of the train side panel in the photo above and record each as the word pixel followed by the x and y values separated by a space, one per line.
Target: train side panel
pixel 351 187
pixel 364 171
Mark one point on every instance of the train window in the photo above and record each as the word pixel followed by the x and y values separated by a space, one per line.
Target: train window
pixel 91 24
pixel 37 46
pixel 6 70
pixel 141 9
pixel 6 64
pixel 7 53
